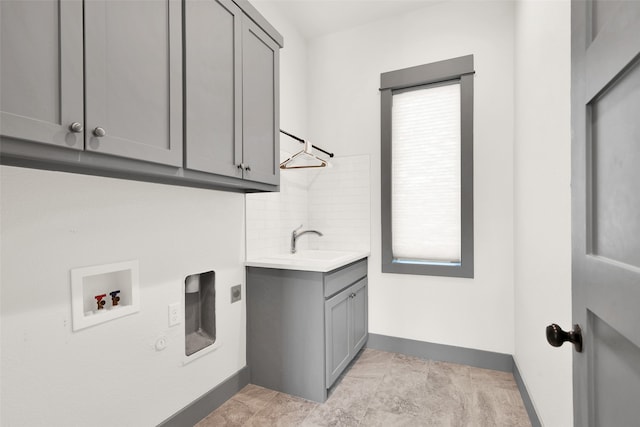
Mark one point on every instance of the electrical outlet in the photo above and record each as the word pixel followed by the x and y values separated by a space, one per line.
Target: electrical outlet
pixel 236 293
pixel 174 314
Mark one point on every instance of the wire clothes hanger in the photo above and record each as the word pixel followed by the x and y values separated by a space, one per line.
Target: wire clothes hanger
pixel 306 152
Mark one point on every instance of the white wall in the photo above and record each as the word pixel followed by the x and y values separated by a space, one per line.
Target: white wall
pixel 293 76
pixel 110 374
pixel 52 222
pixel 333 200
pixel 543 204
pixel 339 204
pixel 271 217
pixel 344 117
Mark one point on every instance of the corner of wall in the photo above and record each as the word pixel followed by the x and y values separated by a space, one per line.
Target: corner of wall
pixel 542 204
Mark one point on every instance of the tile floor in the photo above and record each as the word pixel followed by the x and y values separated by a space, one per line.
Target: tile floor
pixel 387 389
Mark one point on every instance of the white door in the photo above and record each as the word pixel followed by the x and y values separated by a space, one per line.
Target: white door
pixel 606 210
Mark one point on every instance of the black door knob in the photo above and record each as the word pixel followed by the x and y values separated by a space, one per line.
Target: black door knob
pixel 556 336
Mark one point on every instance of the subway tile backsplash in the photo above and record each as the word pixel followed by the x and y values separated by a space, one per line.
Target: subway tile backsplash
pixel 339 204
pixel 333 200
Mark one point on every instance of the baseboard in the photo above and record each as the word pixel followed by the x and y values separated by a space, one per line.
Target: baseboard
pixel 207 403
pixel 465 356
pixel 442 352
pixel 528 404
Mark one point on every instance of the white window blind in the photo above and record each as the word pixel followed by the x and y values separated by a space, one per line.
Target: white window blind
pixel 425 170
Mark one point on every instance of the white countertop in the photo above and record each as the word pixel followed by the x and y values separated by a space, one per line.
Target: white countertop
pixel 308 260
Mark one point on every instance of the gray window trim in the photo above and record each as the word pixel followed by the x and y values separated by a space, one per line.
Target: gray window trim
pixel 460 69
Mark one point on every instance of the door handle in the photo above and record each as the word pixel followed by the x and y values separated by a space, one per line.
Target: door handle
pixel 556 336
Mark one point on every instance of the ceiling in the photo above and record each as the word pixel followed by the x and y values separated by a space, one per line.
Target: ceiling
pixel 315 18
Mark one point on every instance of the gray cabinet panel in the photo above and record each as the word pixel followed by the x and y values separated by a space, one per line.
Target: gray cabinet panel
pixel 133 79
pixel 336 280
pixel 213 101
pixel 41 71
pixel 260 107
pixel 346 318
pixel 360 310
pixel 285 331
pixel 338 328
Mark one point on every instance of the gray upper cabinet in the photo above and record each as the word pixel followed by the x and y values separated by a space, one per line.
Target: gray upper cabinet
pixel 260 107
pixel 133 57
pixel 41 76
pixel 232 93
pixel 213 107
pixel 180 92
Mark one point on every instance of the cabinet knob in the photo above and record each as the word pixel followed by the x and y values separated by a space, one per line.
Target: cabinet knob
pixel 353 295
pixel 99 132
pixel 240 166
pixel 247 168
pixel 76 127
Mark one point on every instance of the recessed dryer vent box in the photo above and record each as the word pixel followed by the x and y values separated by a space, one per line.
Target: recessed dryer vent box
pixel 101 293
pixel 200 312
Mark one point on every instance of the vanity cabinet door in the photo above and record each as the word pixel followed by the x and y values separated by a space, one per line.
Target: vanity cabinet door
pixel 213 84
pixel 133 60
pixel 41 74
pixel 260 105
pixel 346 328
pixel 338 334
pixel 360 316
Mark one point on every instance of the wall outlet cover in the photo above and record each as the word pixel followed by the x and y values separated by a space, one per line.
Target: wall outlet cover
pixel 236 293
pixel 174 314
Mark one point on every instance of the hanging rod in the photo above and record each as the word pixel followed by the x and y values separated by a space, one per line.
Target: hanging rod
pixel 302 141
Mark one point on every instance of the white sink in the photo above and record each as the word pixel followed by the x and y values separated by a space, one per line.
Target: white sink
pixel 308 260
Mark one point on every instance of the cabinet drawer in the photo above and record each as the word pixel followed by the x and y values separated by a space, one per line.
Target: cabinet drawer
pixel 339 279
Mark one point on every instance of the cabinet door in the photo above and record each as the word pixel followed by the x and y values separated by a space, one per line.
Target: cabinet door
pixel 133 57
pixel 360 313
pixel 337 335
pixel 213 99
pixel 41 71
pixel 260 105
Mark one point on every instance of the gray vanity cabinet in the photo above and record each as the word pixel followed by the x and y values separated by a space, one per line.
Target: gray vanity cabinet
pixel 41 75
pixel 232 94
pixel 304 327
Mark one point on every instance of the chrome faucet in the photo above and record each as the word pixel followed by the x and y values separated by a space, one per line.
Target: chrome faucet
pixel 295 234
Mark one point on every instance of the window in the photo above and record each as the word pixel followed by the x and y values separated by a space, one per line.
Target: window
pixel 427 169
